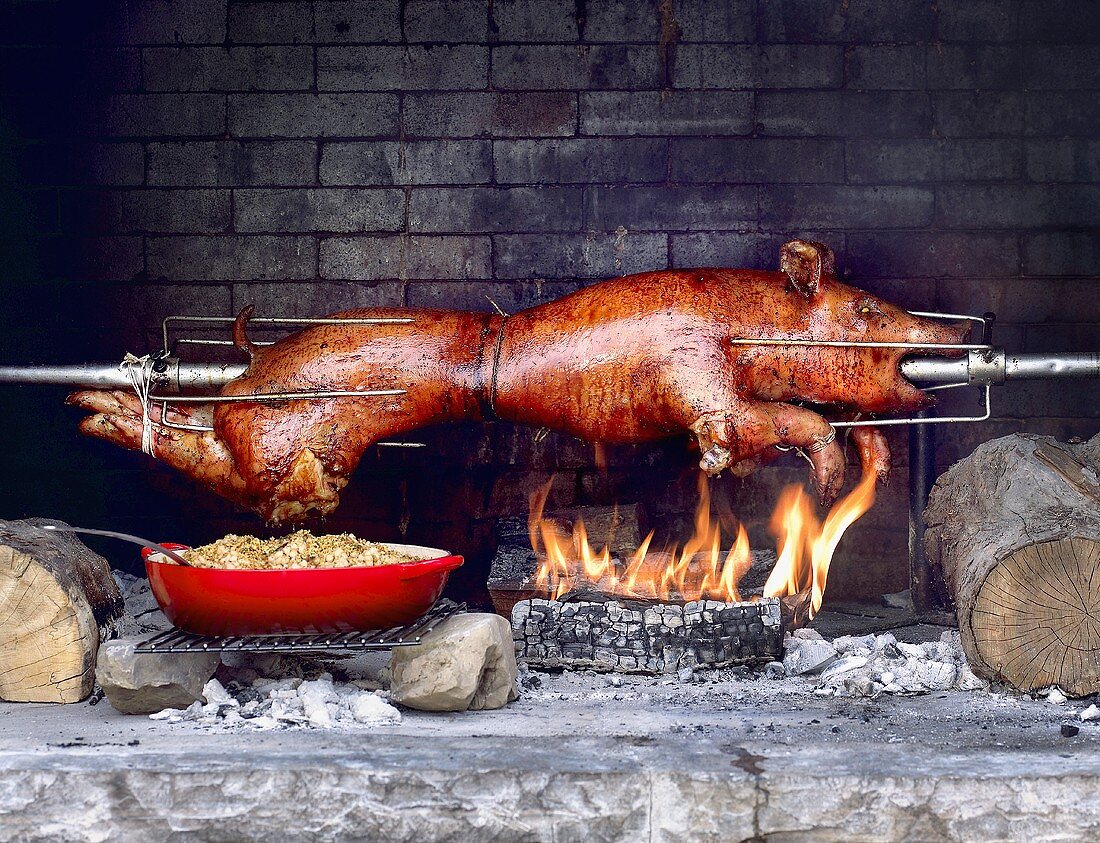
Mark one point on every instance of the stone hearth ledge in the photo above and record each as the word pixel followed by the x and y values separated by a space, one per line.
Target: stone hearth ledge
pixel 578 757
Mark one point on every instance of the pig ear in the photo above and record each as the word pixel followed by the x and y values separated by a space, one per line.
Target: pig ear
pixel 806 263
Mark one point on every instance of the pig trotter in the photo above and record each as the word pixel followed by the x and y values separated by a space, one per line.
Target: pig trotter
pixel 874 452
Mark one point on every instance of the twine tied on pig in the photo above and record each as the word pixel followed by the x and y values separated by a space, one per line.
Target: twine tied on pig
pixel 140 372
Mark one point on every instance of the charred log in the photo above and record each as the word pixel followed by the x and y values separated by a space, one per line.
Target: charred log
pixel 636 638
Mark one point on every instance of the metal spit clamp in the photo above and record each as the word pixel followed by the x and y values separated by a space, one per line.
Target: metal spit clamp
pixel 986 366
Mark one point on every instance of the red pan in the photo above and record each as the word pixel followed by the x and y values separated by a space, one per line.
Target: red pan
pixel 216 601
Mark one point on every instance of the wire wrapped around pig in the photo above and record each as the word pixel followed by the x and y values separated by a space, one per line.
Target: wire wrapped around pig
pixel 626 360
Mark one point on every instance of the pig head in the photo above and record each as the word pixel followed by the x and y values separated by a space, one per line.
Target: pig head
pixel 790 385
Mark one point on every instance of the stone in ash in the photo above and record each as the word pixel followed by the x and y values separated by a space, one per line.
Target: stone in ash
pixel 465 663
pixel 646 638
pixel 141 683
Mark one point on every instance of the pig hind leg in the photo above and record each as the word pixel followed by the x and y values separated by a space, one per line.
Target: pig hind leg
pixel 745 436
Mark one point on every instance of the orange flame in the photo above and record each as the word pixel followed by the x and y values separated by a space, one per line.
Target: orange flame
pixel 700 570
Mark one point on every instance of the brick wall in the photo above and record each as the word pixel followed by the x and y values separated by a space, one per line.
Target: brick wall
pixel 169 156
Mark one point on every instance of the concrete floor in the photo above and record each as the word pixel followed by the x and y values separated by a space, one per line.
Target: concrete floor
pixel 730 758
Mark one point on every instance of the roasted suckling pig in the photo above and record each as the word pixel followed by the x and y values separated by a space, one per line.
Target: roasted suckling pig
pixel 626 360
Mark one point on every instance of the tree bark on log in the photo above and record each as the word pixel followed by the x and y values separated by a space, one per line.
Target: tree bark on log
pixel 58 600
pixel 1015 531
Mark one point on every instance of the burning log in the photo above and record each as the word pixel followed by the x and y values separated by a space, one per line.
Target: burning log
pixel 516 564
pixel 1015 528
pixel 635 637
pixel 57 600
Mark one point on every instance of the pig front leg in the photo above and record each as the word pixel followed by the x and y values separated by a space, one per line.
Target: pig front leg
pixel 740 436
pixel 116 417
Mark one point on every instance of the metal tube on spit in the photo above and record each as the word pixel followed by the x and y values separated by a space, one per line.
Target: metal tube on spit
pixel 173 377
pixel 1058 365
pixel 994 366
pixel 90 375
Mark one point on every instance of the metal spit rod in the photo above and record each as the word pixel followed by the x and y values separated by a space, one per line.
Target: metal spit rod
pixel 977 368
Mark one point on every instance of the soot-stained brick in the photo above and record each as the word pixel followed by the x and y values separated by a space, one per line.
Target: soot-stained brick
pixel 406 162
pixel 622 20
pixel 318 298
pixel 1058 21
pixel 168 22
pixel 419 257
pixel 754 250
pixel 231 163
pixel 1019 206
pixel 492 209
pixel 886 67
pixel 970 114
pixel 847 21
pixel 231 258
pixel 929 160
pixel 531 67
pixel 977 20
pixel 158 115
pixel 577 160
pixel 933 254
pixel 757 160
pixel 318 209
pixel 1062 253
pixel 357 21
pixel 844 113
pixel 270 23
pixel 446 21
pixel 666 113
pixel 1062 114
pixel 676 208
pixel 1076 159
pixel 313 115
pixel 540 21
pixel 151 211
pixel 413 67
pixel 591 255
pixel 472 115
pixel 233 69
pixel 759 66
pixel 731 21
pixel 976 66
pixel 846 207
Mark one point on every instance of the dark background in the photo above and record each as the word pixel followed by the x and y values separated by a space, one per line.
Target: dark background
pixel 192 157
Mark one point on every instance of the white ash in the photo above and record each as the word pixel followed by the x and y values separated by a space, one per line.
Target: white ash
pixel 870 665
pixel 292 702
pixel 1053 695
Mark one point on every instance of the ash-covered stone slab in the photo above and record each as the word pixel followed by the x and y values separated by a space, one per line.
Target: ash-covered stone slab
pixel 646 638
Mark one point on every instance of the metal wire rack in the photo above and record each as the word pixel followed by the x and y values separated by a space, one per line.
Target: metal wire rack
pixel 180 641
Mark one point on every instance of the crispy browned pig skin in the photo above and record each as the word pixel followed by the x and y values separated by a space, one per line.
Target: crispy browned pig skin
pixel 627 360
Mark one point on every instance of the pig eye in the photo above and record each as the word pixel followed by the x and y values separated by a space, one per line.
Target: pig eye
pixel 868 307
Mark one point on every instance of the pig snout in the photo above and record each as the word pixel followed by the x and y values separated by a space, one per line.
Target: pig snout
pixel 941 333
